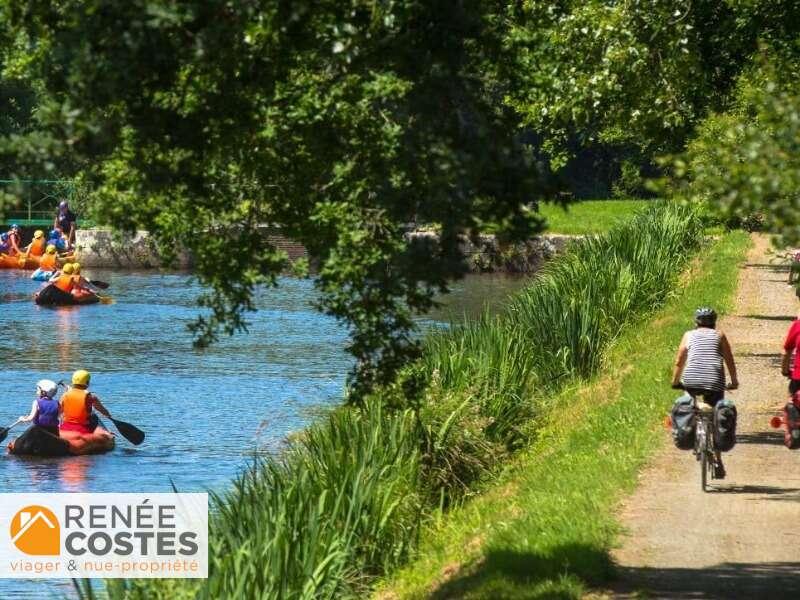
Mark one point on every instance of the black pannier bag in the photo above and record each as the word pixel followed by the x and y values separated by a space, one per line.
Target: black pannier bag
pixel 683 423
pixel 724 425
pixel 791 434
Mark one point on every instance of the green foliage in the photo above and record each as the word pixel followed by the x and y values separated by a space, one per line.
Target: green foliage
pixel 630 183
pixel 346 501
pixel 718 77
pixel 339 121
pixel 746 161
pixel 639 73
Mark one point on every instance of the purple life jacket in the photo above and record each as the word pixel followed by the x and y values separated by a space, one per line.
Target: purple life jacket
pixel 47 413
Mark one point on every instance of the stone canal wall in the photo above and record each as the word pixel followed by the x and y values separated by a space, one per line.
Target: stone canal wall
pixel 102 248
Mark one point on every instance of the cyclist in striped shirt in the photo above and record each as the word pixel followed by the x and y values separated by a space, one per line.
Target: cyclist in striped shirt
pixel 700 364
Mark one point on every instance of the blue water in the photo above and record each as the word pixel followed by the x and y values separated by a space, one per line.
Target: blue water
pixel 205 412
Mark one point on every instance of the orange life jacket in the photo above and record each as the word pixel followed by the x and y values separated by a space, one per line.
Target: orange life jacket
pixel 37 247
pixel 76 407
pixel 65 283
pixel 48 262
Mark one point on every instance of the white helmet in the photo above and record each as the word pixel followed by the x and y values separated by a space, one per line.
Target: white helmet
pixel 47 387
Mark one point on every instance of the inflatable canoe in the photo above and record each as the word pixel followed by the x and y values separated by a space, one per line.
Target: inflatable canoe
pixel 28 262
pixel 39 442
pixel 52 296
pixel 19 262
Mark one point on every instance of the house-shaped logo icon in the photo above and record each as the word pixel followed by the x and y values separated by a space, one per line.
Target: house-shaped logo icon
pixel 35 530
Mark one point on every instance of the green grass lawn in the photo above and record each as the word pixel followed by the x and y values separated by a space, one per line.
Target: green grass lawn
pixel 545 529
pixel 589 216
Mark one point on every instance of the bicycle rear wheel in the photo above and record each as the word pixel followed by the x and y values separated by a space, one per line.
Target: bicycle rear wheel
pixel 703 469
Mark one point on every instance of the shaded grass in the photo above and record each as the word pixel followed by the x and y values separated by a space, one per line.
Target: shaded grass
pixel 589 216
pixel 545 531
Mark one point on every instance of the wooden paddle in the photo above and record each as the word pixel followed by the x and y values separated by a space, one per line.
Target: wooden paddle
pixel 4 430
pixel 102 285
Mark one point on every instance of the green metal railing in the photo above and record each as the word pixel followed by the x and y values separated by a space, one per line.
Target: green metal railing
pixel 40 198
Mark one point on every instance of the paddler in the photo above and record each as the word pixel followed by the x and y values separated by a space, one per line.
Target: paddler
pixel 66 222
pixel 48 265
pixel 45 409
pixel 58 240
pixel 65 281
pixel 37 245
pixel 49 261
pixel 82 285
pixel 13 240
pixel 78 405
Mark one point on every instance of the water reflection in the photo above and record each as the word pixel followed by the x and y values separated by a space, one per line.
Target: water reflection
pixel 65 329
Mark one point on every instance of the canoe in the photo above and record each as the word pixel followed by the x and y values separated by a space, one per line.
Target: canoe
pixel 52 296
pixel 19 262
pixel 39 442
pixel 28 262
pixel 39 275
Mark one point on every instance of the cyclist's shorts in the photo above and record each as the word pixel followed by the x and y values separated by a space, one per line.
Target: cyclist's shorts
pixel 711 396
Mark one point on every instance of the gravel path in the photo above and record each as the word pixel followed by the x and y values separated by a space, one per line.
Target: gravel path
pixel 741 540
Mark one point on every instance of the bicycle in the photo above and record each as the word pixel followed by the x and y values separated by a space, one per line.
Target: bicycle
pixel 704 440
pixel 704 435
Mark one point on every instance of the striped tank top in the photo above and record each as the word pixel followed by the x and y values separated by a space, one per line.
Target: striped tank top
pixel 704 364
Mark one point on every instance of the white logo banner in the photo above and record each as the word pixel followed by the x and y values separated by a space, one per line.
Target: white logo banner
pixel 103 535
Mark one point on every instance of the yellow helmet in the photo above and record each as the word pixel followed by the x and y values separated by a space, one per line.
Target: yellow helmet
pixel 67 269
pixel 38 234
pixel 76 268
pixel 50 249
pixel 81 377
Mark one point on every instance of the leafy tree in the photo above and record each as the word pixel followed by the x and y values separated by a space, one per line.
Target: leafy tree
pixel 639 73
pixel 746 160
pixel 338 120
pixel 717 79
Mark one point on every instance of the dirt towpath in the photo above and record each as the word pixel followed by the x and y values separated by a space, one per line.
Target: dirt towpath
pixel 741 540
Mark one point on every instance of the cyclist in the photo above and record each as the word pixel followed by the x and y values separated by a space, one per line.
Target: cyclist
pixel 792 344
pixel 699 366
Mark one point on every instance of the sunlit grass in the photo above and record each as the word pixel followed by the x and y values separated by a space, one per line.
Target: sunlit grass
pixel 590 216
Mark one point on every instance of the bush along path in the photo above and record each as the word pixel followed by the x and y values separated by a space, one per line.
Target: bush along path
pixel 740 540
pixel 547 527
pixel 345 503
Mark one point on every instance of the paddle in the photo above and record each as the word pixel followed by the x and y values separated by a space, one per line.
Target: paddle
pixel 99 284
pixel 4 430
pixel 130 432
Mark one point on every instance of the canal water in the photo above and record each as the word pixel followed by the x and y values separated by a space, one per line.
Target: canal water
pixel 206 413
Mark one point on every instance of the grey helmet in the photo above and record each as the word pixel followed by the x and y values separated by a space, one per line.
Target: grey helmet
pixel 705 316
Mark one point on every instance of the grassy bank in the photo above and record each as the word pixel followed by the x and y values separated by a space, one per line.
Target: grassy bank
pixel 589 216
pixel 346 503
pixel 546 528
